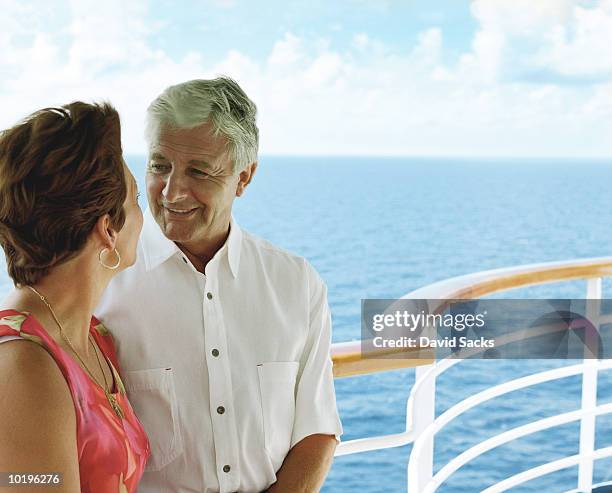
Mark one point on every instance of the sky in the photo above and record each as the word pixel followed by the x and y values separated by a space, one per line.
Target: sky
pixel 503 78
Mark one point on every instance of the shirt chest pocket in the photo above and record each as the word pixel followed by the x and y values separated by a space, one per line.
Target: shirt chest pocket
pixel 152 395
pixel 277 391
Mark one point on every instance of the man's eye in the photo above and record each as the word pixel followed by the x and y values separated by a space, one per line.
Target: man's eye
pixel 199 173
pixel 158 167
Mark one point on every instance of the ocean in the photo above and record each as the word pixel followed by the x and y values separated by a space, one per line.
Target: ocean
pixel 381 227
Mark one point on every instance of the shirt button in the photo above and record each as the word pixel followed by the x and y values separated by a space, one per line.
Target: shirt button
pixel 215 352
pixel 226 468
pixel 221 410
pixel 209 295
pixel 184 260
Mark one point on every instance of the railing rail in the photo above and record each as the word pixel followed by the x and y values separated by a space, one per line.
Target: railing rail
pixel 421 423
pixel 507 436
pixel 347 356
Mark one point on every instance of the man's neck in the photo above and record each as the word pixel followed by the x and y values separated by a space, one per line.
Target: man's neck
pixel 202 253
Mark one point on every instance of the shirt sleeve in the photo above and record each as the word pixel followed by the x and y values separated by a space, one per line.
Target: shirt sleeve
pixel 315 403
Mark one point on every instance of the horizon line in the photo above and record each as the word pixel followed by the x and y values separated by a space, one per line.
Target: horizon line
pixel 425 156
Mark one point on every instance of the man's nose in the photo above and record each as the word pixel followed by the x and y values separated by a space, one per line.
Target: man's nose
pixel 175 188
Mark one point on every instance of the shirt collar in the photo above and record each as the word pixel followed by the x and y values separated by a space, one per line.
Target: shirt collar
pixel 234 246
pixel 157 248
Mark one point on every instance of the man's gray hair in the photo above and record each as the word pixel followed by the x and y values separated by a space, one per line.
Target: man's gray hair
pixel 219 101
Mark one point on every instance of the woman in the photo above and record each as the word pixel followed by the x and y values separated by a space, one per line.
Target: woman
pixel 69 222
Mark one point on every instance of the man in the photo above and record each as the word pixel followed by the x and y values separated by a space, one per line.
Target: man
pixel 223 338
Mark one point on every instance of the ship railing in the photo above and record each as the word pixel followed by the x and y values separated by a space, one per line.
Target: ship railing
pixel 422 425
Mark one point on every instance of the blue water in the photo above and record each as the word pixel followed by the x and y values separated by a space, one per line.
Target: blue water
pixel 378 228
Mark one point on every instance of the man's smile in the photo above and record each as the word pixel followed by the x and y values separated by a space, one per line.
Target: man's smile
pixel 176 212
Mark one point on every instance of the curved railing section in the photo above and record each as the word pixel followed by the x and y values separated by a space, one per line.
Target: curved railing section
pixel 421 422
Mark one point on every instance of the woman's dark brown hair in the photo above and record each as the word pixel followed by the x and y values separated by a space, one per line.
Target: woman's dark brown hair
pixel 61 169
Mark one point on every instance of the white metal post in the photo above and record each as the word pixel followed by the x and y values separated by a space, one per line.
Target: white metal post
pixel 589 394
pixel 425 413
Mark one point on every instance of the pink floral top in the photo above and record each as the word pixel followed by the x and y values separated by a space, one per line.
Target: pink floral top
pixel 112 450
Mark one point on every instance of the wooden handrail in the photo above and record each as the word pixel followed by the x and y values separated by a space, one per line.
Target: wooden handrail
pixel 349 360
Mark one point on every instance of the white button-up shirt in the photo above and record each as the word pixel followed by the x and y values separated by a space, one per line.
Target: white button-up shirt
pixel 226 370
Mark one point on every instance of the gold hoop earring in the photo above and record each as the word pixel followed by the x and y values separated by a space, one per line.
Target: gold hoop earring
pixel 111 267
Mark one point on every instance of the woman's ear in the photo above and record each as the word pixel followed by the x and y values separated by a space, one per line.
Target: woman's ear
pixel 105 232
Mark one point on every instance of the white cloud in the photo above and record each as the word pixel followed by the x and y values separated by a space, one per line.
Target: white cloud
pixel 547 39
pixel 110 33
pixel 106 58
pixel 323 70
pixel 368 98
pixel 361 40
pixel 286 51
pixel 486 58
pixel 583 54
pixel 429 47
pixel 522 17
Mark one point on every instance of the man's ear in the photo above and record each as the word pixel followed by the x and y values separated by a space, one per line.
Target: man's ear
pixel 246 175
pixel 105 232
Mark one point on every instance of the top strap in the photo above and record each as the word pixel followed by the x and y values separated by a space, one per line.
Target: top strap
pixel 11 324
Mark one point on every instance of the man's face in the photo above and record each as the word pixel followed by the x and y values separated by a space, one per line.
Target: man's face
pixel 191 185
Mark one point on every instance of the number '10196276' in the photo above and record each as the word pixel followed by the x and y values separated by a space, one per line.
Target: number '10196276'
pixel 28 478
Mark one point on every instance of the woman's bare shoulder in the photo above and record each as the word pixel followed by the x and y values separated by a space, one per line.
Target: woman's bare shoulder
pixel 38 424
pixel 31 377
pixel 37 411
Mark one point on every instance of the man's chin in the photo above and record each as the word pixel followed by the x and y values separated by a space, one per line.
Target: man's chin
pixel 177 238
pixel 176 234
